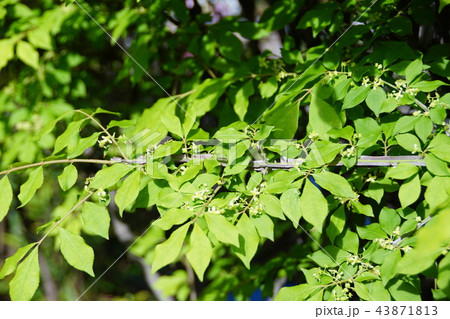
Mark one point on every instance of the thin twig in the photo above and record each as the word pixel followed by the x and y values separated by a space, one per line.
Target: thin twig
pixel 290 163
pixel 104 130
pixel 65 160
pixel 81 202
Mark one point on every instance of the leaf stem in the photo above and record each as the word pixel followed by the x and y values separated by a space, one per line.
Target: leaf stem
pixel 82 201
pixel 105 131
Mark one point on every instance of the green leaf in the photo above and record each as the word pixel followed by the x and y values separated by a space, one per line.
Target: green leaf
pixel 401 290
pixel 68 177
pixel 335 184
pixel 371 232
pixel 443 280
pixel 230 135
pixel 440 147
pixel 28 54
pixel 200 251
pixel 290 204
pixel 409 191
pixel 82 145
pixel 436 166
pixel 329 256
pixel 48 127
pixel 128 191
pixel 176 284
pixel 11 263
pixel 413 70
pixel 230 46
pixel 322 116
pixel 268 88
pixel 222 229
pixel 409 142
pixel 349 241
pixel 168 251
pixel 6 52
pixel 442 4
pixel 173 216
pixel 240 165
pixel 362 209
pixel 428 86
pixel 241 99
pixel 284 117
pixel 370 131
pixel 263 225
pixel 171 121
pixel 30 187
pixel 26 280
pixel 437 192
pixel 388 105
pixel 378 291
pixel 96 219
pixel 248 240
pixel 400 25
pixel 272 206
pixel 408 226
pixel 431 241
pixel 405 124
pixel 402 171
pixel 389 266
pixel 423 128
pixel 375 100
pixel 314 207
pixel 297 293
pixel 6 196
pixel 40 38
pixel 206 95
pixel 362 291
pixel 109 176
pixel 340 87
pixel 337 222
pixel 438 115
pixel 389 220
pixel 355 96
pixel 63 140
pixel 322 152
pixel 76 252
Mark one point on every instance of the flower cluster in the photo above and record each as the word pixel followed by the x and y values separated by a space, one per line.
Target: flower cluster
pixel 102 195
pixel 343 200
pixel 234 202
pixel 281 75
pixel 420 113
pixel 202 193
pixel 389 243
pixel 182 170
pixel 344 285
pixel 314 136
pixel 416 149
pixel 105 141
pixel 87 182
pixel 377 82
pixel 297 163
pixel 349 152
pixel 215 210
pixel 402 88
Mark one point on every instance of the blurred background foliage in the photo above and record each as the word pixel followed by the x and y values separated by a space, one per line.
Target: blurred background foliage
pixel 55 58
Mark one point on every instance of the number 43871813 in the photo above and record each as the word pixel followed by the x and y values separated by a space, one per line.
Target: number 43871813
pixel 407 310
